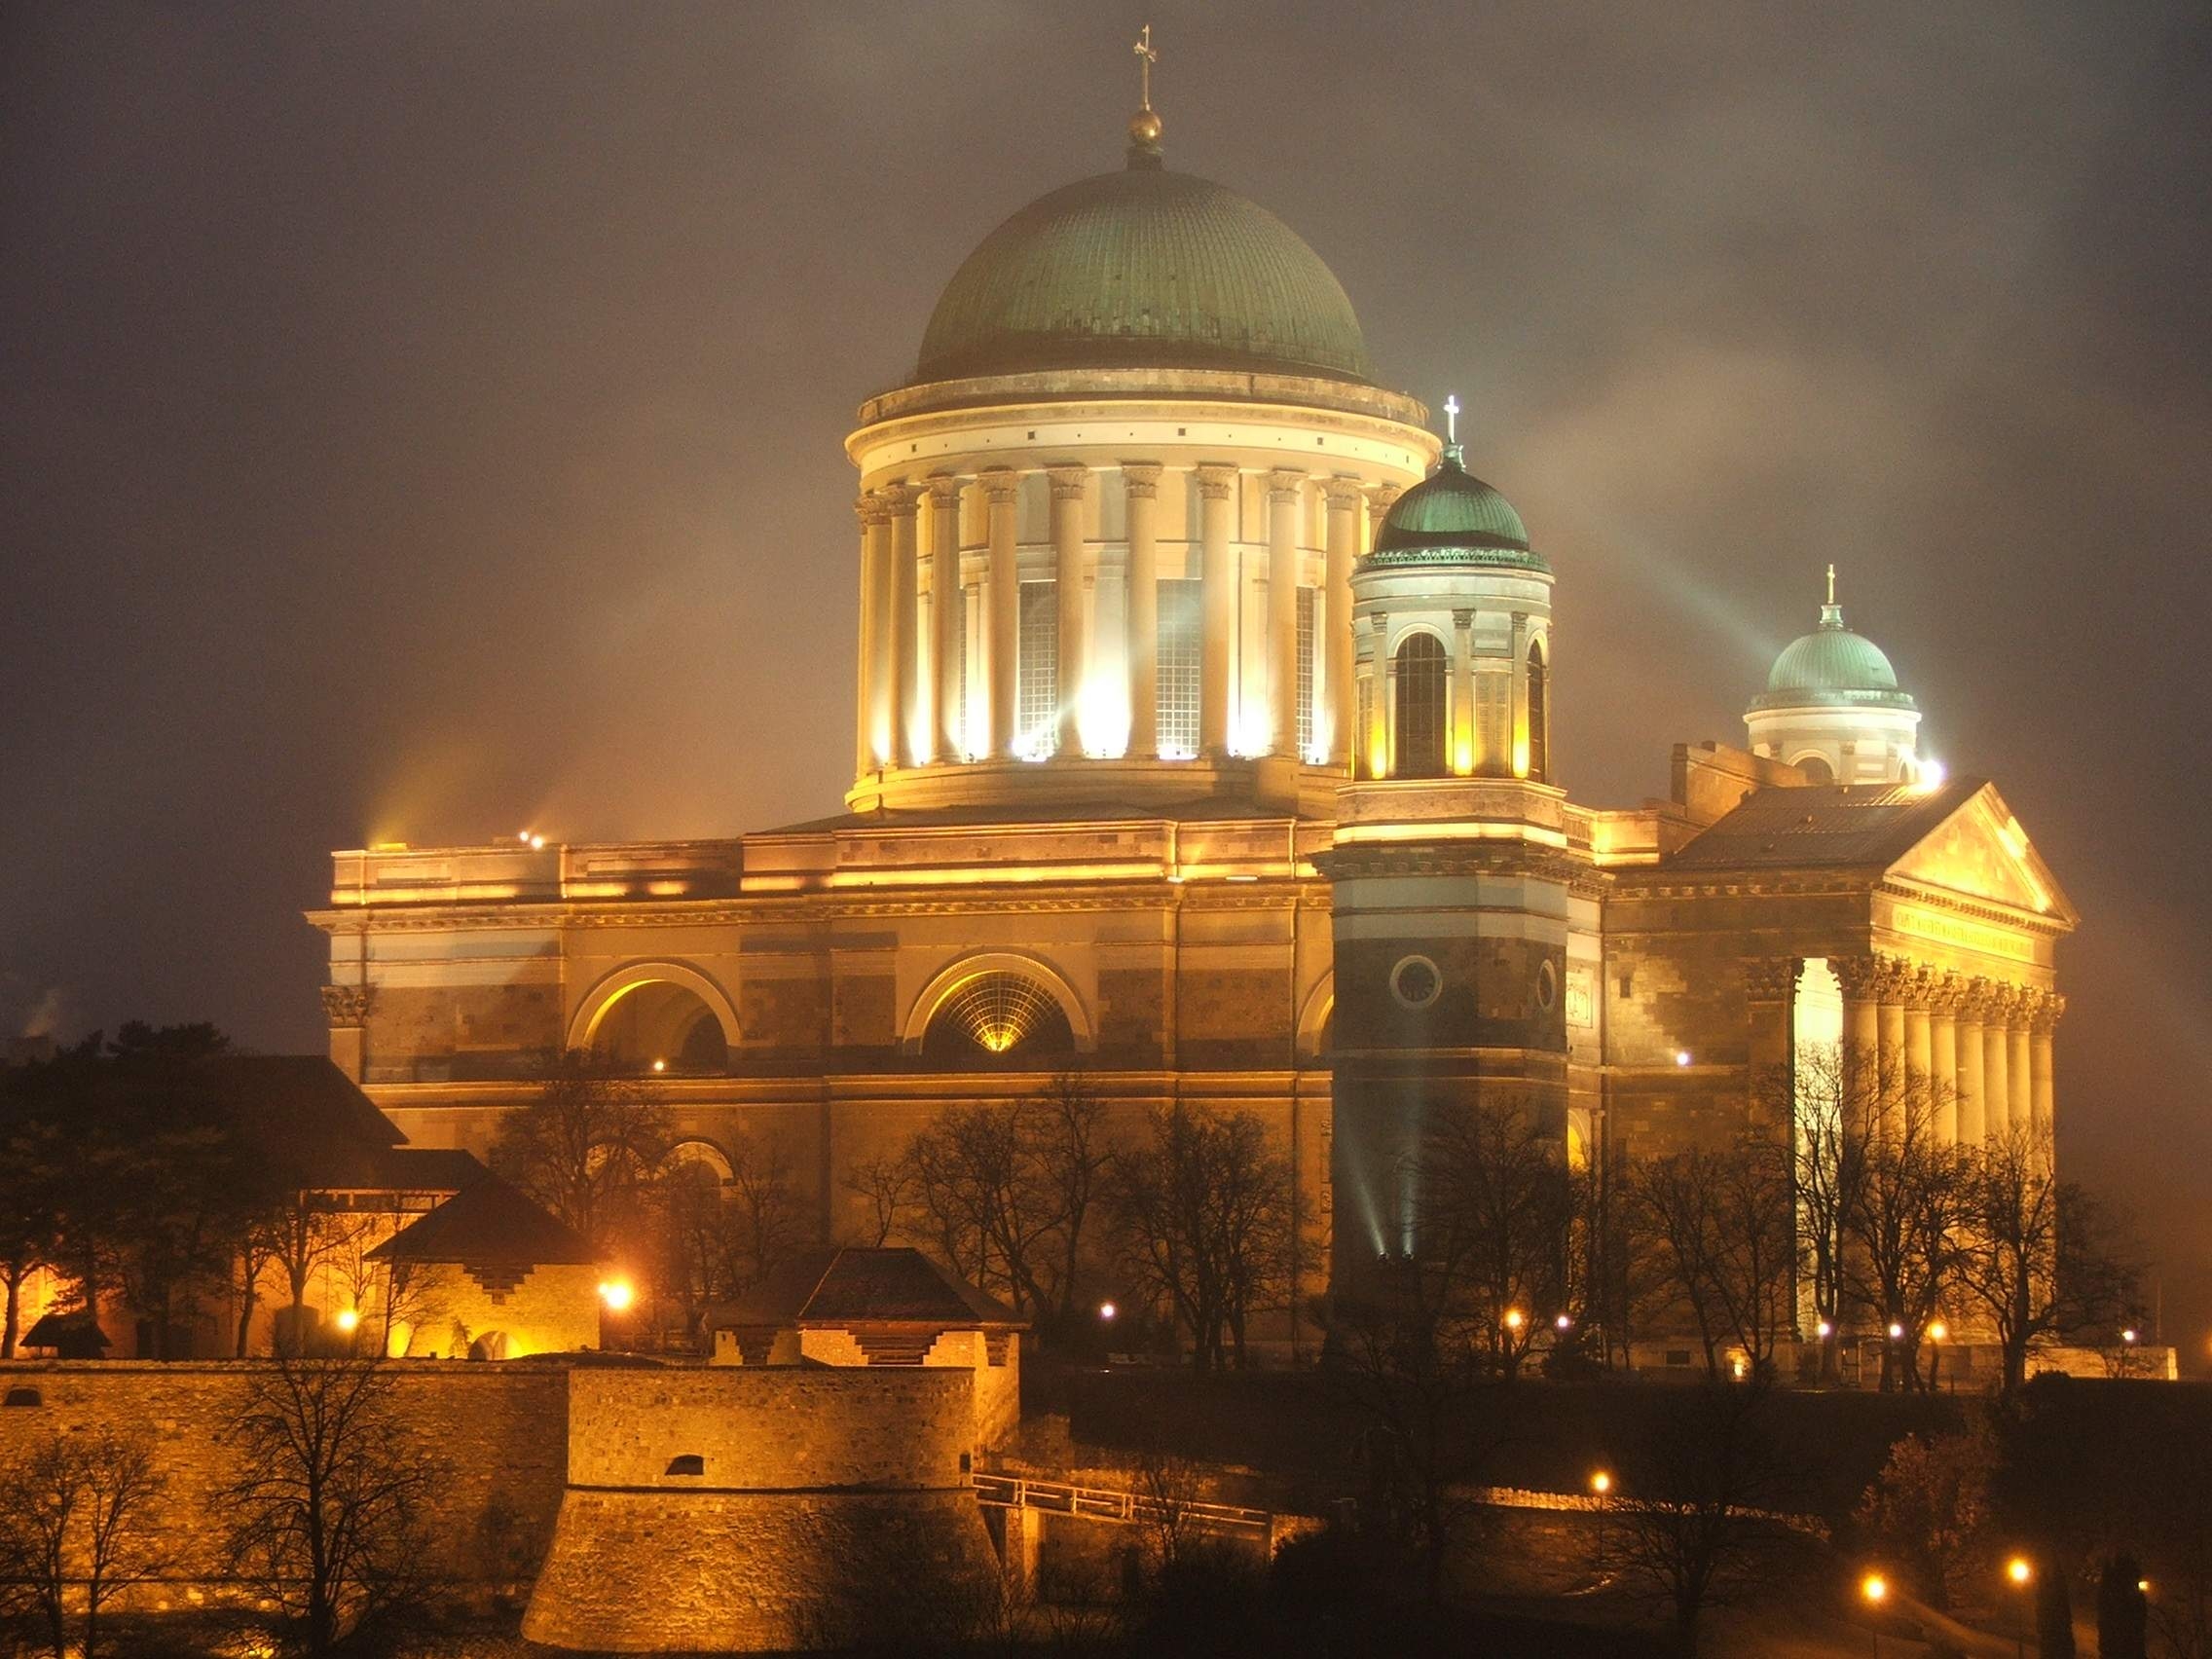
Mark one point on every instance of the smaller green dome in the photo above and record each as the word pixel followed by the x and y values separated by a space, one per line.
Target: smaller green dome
pixel 1453 517
pixel 1831 666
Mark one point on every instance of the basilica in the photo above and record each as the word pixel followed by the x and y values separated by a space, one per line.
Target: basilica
pixel 1206 742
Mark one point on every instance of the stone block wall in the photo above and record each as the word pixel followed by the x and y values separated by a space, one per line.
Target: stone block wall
pixel 445 1310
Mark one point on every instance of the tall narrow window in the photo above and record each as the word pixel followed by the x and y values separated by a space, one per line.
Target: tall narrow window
pixel 1178 668
pixel 1539 715
pixel 1037 710
pixel 1424 685
pixel 1304 672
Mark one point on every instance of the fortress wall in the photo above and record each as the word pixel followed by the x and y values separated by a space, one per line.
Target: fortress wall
pixel 759 1428
pixel 499 1432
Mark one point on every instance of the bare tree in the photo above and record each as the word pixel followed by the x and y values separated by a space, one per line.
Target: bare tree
pixel 1723 1233
pixel 887 1184
pixel 1904 1234
pixel 1495 1198
pixel 588 1146
pixel 303 1234
pixel 80 1511
pixel 1203 1213
pixel 1693 1505
pixel 328 1501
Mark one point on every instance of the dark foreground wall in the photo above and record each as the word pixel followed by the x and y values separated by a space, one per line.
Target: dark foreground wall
pixel 498 1431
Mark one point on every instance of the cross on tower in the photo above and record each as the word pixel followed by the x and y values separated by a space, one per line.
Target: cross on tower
pixel 1146 59
pixel 1452 418
pixel 1831 584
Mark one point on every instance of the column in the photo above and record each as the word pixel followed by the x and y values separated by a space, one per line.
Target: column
pixel 1380 500
pixel 1860 977
pixel 1770 990
pixel 1895 1094
pixel 1974 1104
pixel 948 718
pixel 1283 485
pixel 1067 484
pixel 1141 483
pixel 2019 1083
pixel 1218 607
pixel 1943 1055
pixel 1002 604
pixel 874 720
pixel 1516 705
pixel 2043 1083
pixel 1343 542
pixel 1387 690
pixel 1919 1054
pixel 1460 729
pixel 906 594
pixel 1995 1068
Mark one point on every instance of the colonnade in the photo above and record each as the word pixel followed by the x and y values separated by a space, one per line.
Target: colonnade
pixel 906 667
pixel 1974 1052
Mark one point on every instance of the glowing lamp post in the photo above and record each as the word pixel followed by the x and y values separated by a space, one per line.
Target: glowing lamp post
pixel 1876 1590
pixel 1601 1485
pixel 2020 1574
pixel 617 1294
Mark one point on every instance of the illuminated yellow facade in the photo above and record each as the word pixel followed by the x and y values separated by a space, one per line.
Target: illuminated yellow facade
pixel 1172 733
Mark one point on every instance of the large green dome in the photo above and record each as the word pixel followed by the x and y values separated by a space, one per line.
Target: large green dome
pixel 1831 666
pixel 1143 269
pixel 1453 517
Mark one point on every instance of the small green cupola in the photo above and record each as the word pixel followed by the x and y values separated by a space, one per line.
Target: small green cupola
pixel 1833 706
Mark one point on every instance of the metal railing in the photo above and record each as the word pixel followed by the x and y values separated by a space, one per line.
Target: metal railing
pixel 1098 1503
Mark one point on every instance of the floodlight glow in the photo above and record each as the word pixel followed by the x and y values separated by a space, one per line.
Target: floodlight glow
pixel 1682 1056
pixel 1875 1588
pixel 616 1293
pixel 348 1319
pixel 1600 1483
pixel 660 1065
pixel 1824 1330
pixel 2019 1570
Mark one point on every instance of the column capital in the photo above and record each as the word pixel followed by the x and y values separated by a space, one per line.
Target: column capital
pixel 1859 975
pixel 872 510
pixel 1141 479
pixel 1980 999
pixel 1344 493
pixel 1284 483
pixel 1379 624
pixel 902 498
pixel 1770 978
pixel 943 488
pixel 1000 485
pixel 1383 497
pixel 1946 992
pixel 2044 1009
pixel 1462 620
pixel 1215 480
pixel 347 1005
pixel 1069 479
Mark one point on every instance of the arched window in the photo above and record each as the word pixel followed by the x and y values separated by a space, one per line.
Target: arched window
pixel 1424 692
pixel 1539 715
pixel 1816 770
pixel 998 1018
pixel 661 1026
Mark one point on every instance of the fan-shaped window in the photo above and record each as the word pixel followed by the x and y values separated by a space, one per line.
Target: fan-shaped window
pixel 1423 685
pixel 997 1018
pixel 1540 714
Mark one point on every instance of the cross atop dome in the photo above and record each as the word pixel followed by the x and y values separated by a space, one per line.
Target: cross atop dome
pixel 1144 125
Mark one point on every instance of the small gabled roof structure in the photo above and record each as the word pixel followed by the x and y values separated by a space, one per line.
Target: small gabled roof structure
pixel 487 1224
pixel 850 1286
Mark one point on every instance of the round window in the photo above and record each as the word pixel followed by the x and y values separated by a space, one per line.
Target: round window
pixel 1547 987
pixel 1415 982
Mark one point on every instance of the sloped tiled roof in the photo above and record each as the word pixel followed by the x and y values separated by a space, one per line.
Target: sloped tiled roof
pixel 488 1222
pixel 1824 826
pixel 855 1286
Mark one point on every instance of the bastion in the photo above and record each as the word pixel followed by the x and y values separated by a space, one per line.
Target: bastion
pixel 759 1509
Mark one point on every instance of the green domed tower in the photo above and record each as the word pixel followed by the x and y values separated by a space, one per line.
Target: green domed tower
pixel 1832 706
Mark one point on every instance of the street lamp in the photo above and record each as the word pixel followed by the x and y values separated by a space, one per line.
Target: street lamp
pixel 1937 1332
pixel 1876 1588
pixel 1601 1484
pixel 2020 1572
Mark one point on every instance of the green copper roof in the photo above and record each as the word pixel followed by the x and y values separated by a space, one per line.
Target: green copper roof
pixel 1143 269
pixel 1453 517
pixel 1831 666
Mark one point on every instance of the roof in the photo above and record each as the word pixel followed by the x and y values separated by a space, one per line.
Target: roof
pixel 854 1286
pixel 1831 666
pixel 488 1222
pixel 1824 826
pixel 1143 269
pixel 1453 517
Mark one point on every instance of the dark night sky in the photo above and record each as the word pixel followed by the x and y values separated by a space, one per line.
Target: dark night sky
pixel 420 420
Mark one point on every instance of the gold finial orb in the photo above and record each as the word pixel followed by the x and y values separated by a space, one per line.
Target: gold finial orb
pixel 1144 127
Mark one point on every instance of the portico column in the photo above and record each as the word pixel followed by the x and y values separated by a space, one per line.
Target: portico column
pixel 2043 1092
pixel 1217 631
pixel 1860 976
pixel 1140 481
pixel 1770 993
pixel 906 592
pixel 875 635
pixel 1995 1068
pixel 1067 483
pixel 948 719
pixel 1896 1094
pixel 1973 1105
pixel 1283 485
pixel 2020 1081
pixel 1919 1053
pixel 1002 604
pixel 1944 1057
pixel 1458 730
pixel 1343 542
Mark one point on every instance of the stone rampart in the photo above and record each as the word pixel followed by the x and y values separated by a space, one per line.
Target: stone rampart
pixel 725 1508
pixel 499 1433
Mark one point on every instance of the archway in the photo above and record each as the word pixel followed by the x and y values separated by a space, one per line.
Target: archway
pixel 659 1018
pixel 999 1009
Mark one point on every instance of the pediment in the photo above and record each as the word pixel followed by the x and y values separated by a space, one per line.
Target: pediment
pixel 1980 853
